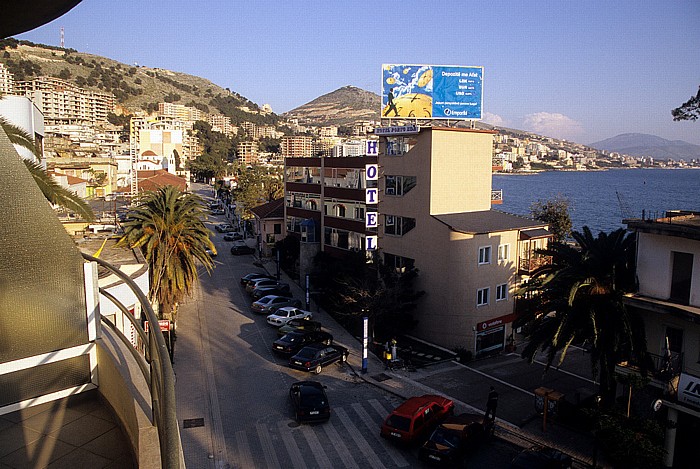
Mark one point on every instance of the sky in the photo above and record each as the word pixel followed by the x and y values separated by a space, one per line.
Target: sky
pixel 577 70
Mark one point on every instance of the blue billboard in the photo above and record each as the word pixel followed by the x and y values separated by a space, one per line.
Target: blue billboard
pixel 432 92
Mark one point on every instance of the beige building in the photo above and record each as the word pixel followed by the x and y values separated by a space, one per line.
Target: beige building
pixel 7 81
pixel 181 112
pixel 296 146
pixel 668 299
pixel 248 152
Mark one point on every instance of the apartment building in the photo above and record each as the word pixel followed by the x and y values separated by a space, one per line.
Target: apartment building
pixel 181 112
pixel 248 152
pixel 23 113
pixel 222 124
pixel 64 103
pixel 422 197
pixel 7 81
pixel 668 300
pixel 295 146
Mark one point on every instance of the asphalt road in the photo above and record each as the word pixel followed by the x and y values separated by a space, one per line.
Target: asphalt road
pixel 232 392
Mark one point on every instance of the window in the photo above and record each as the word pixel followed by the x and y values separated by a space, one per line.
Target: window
pixel 502 292
pixel 485 255
pixel 399 185
pixel 503 252
pixel 278 228
pixel 482 296
pixel 398 226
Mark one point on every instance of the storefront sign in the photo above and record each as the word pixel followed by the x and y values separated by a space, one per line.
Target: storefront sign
pixel 371 243
pixel 496 322
pixel 372 148
pixel 164 325
pixel 372 172
pixel 397 130
pixel 689 390
pixel 371 195
pixel 371 220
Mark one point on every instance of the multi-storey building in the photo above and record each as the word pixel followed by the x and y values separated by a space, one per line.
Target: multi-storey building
pixel 222 124
pixel 21 112
pixel 424 201
pixel 294 146
pixel 248 152
pixel 64 103
pixel 668 300
pixel 7 81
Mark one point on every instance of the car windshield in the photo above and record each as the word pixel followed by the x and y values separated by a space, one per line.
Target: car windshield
pixel 307 353
pixel 291 338
pixel 398 422
pixel 445 437
pixel 264 300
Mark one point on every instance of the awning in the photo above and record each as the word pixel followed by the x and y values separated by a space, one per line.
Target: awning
pixel 536 233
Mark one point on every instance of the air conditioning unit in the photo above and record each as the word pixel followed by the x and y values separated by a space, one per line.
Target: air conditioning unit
pixel 390 191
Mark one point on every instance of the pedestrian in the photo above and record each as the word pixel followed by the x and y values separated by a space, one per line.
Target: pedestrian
pixel 394 352
pixel 491 404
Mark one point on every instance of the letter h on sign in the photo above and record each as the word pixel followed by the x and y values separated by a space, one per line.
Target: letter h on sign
pixel 372 148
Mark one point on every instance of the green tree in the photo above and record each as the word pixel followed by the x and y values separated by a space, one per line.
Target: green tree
pixel 578 297
pixel 256 186
pixel 554 212
pixel 53 191
pixel 688 111
pixel 167 226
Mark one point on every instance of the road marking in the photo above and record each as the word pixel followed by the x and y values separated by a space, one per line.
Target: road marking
pixel 340 447
pixel 291 445
pixel 370 456
pixel 381 410
pixel 316 447
pixel 267 445
pixel 373 428
pixel 246 459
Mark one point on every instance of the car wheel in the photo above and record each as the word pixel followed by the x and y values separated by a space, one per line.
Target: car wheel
pixel 317 370
pixel 344 357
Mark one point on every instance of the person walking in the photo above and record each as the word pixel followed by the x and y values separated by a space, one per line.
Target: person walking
pixel 391 104
pixel 491 404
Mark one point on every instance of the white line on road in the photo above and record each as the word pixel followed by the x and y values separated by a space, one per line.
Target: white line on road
pixel 372 426
pixel 316 447
pixel 291 445
pixel 370 456
pixel 340 447
pixel 267 445
pixel 245 458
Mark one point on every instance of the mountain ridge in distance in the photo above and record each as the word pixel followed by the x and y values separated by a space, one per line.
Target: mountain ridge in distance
pixel 639 144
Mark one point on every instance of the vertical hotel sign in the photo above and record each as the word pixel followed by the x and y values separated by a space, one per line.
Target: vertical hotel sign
pixel 432 92
pixel 371 198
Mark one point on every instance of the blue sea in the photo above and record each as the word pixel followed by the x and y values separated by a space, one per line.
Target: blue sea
pixel 601 199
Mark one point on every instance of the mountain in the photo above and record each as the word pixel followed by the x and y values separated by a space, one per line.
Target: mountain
pixel 340 107
pixel 649 145
pixel 135 87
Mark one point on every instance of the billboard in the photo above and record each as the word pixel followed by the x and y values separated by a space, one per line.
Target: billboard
pixel 432 92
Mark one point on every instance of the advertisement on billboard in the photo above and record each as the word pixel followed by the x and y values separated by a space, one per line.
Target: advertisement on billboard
pixel 432 92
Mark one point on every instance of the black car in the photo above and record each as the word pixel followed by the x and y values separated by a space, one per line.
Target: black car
pixel 453 437
pixel 246 279
pixel 291 343
pixel 541 457
pixel 298 325
pixel 310 402
pixel 279 290
pixel 241 249
pixel 315 357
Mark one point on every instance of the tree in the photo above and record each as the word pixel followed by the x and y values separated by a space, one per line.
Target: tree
pixel 53 191
pixel 167 226
pixel 554 212
pixel 256 186
pixel 578 297
pixel 688 111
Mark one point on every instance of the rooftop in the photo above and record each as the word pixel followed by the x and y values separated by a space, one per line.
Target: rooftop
pixel 487 221
pixel 679 223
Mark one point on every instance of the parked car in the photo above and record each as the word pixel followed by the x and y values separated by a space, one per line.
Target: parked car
pixel 254 275
pixel 415 418
pixel 453 437
pixel 291 343
pixel 241 249
pixel 280 290
pixel 211 252
pixel 224 228
pixel 298 325
pixel 315 357
pixel 310 402
pixel 283 315
pixel 233 236
pixel 541 457
pixel 261 283
pixel 266 303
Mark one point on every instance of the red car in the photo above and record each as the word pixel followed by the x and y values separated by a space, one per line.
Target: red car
pixel 415 418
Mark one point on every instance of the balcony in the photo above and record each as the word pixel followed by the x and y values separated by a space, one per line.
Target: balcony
pixel 496 197
pixel 662 369
pixel 527 265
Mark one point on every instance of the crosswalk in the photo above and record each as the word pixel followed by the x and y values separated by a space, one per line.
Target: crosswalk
pixel 350 439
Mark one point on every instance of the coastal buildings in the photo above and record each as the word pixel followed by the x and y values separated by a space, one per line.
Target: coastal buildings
pixel 422 198
pixel 668 299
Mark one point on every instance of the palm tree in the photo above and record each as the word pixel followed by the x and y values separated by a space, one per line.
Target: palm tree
pixel 53 192
pixel 582 290
pixel 167 226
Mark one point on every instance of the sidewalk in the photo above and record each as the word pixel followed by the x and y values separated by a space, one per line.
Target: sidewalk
pixel 467 385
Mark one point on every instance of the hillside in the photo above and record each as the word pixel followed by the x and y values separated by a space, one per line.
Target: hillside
pixel 340 107
pixel 135 87
pixel 649 145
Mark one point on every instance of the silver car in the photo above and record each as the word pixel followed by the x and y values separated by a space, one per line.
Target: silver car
pixel 266 303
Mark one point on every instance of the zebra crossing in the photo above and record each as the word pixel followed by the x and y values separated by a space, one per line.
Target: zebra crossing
pixel 350 439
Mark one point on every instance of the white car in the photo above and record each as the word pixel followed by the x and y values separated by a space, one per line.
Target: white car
pixel 283 315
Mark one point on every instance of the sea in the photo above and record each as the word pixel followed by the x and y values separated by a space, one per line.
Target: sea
pixel 601 199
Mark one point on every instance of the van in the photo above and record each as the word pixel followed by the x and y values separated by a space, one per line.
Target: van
pixel 415 418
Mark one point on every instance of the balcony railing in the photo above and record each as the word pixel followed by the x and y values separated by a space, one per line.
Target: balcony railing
pixel 154 361
pixel 497 196
pixel 661 367
pixel 530 264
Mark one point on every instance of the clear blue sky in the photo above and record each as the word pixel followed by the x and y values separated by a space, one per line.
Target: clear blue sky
pixel 582 70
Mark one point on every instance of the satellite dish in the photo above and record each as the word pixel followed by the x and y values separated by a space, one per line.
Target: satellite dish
pixel 656 405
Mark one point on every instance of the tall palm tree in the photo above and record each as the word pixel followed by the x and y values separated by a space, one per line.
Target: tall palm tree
pixel 582 290
pixel 53 192
pixel 167 226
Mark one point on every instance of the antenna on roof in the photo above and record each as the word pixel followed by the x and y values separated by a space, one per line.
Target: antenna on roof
pixel 63 39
